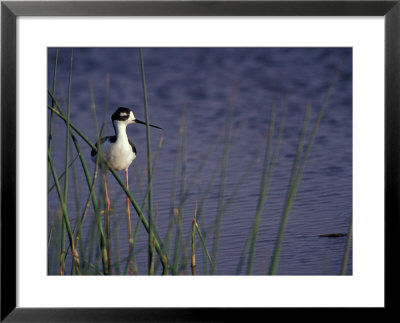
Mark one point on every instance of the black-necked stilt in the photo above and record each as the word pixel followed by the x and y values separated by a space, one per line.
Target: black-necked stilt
pixel 119 152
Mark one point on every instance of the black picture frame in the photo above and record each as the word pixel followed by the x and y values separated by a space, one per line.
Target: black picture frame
pixel 10 10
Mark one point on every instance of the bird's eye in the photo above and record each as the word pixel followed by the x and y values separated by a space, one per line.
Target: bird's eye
pixel 123 115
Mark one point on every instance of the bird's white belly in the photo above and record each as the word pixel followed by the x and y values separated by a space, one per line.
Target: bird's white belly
pixel 119 156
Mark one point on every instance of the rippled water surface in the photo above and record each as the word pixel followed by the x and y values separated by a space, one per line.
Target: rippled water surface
pixel 206 81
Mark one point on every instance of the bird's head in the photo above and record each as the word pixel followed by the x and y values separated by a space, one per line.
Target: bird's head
pixel 125 116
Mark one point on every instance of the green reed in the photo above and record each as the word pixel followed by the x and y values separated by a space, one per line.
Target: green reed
pixel 89 181
pixel 178 211
pixel 158 247
pixel 53 93
pixel 225 154
pixel 297 171
pixel 263 191
pixel 347 248
pixel 65 216
pixel 99 156
pixel 150 194
pixel 193 236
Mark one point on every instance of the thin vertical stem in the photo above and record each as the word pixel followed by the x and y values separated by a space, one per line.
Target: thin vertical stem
pixel 157 243
pixel 194 241
pixel 107 223
pixel 150 195
pixel 106 240
pixel 52 103
pixel 263 191
pixel 225 155
pixel 68 132
pixel 65 215
pixel 179 211
pixel 128 213
pixel 62 248
pixel 203 241
pixel 103 244
pixel 297 174
pixel 347 249
pixel 291 192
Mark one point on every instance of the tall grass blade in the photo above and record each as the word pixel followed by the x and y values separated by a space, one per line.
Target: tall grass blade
pixel 172 209
pixel 150 198
pixel 225 155
pixel 62 174
pixel 203 241
pixel 194 242
pixel 263 191
pixel 99 156
pixel 179 244
pixel 158 247
pixel 72 126
pixel 63 252
pixel 60 114
pixel 297 174
pixel 291 190
pixel 67 136
pixel 347 248
pixel 269 174
pixel 65 215
pixel 54 93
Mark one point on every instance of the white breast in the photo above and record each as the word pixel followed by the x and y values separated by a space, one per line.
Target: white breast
pixel 119 154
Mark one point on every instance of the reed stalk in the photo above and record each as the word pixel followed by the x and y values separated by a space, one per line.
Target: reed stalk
pixel 160 251
pixel 347 248
pixel 297 172
pixel 172 215
pixel 214 176
pixel 225 155
pixel 60 114
pixel 52 187
pixel 291 191
pixel 250 241
pixel 54 93
pixel 203 242
pixel 67 144
pixel 150 198
pixel 178 212
pixel 263 191
pixel 75 253
pixel 62 249
pixel 72 126
pixel 186 189
pixel 194 241
pixel 157 245
pixel 68 131
pixel 99 156
pixel 78 227
pixel 90 183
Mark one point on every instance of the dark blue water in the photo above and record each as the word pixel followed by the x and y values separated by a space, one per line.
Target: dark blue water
pixel 203 80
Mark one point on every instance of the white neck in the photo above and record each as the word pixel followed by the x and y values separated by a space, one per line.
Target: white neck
pixel 120 130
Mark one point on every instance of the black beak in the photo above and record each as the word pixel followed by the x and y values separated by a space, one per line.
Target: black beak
pixel 141 122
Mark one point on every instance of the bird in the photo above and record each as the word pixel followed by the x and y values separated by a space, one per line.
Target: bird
pixel 118 151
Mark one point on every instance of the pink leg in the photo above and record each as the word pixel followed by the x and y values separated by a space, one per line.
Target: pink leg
pixel 128 213
pixel 106 191
pixel 107 215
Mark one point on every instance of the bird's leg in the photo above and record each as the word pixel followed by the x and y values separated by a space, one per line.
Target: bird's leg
pixel 107 217
pixel 128 213
pixel 106 191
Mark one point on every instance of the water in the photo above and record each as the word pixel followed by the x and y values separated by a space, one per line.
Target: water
pixel 203 79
